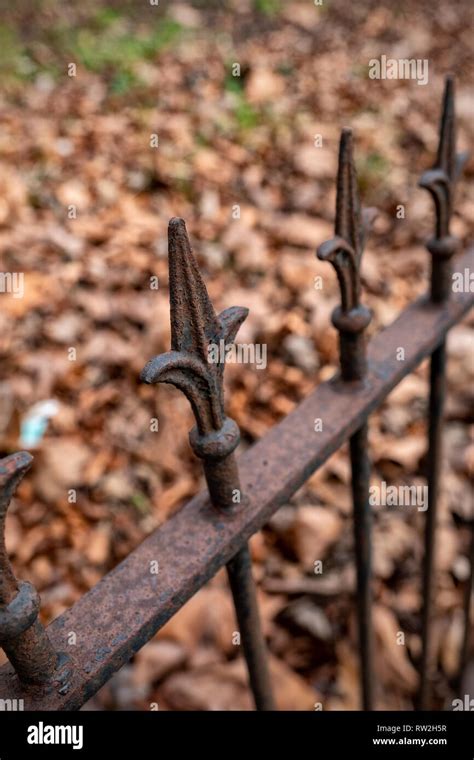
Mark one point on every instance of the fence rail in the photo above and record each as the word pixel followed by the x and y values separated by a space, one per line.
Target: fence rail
pixel 118 616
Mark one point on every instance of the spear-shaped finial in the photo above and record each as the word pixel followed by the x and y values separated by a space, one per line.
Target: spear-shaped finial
pixel 12 470
pixel 351 318
pixel 440 181
pixel 197 368
pixel 344 251
pixel 22 636
pixel 194 329
pixel 191 365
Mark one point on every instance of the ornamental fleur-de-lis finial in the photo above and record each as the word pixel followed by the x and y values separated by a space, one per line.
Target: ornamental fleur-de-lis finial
pixel 198 372
pixel 194 328
pixel 12 470
pixel 22 636
pixel 440 180
pixel 344 251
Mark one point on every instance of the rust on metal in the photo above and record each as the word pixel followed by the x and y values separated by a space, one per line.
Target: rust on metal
pixel 440 181
pixel 189 366
pixel 194 328
pixel 351 318
pixel 435 425
pixel 344 251
pixel 22 636
pixel 242 585
pixel 117 617
pixel 121 613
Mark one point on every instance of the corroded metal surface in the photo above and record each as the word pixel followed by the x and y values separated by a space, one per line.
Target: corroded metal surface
pixel 344 251
pixel 239 571
pixel 130 604
pixel 119 615
pixel 22 636
pixel 440 182
pixel 188 366
pixel 351 318
pixel 194 326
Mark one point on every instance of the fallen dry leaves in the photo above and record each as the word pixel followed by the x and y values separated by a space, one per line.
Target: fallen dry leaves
pixel 85 142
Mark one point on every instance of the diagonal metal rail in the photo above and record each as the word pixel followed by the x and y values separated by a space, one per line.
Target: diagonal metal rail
pixel 119 615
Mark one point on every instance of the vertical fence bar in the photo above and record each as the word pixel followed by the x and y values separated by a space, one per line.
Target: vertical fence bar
pixel 242 585
pixel 360 468
pixel 195 365
pixel 435 422
pixel 440 182
pixel 344 252
pixel 468 627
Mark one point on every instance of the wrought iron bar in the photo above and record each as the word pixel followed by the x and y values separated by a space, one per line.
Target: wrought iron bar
pixel 22 637
pixel 189 366
pixel 119 615
pixel 440 183
pixel 468 626
pixel 242 585
pixel 344 252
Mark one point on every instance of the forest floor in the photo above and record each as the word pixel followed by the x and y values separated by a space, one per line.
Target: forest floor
pixel 84 206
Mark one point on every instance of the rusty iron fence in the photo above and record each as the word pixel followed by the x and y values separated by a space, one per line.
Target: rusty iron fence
pixel 130 604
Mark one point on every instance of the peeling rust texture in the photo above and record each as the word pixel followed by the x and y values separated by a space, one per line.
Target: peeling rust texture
pixel 119 615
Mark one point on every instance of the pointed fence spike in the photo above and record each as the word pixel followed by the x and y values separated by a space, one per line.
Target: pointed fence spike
pixel 22 636
pixel 195 327
pixel 351 318
pixel 344 252
pixel 440 182
pixel 193 320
